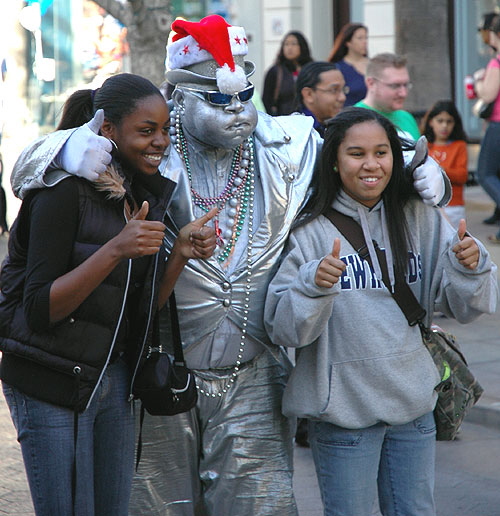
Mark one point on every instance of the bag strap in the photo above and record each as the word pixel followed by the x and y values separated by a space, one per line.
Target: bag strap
pixel 402 293
pixel 176 333
pixel 178 360
pixel 277 87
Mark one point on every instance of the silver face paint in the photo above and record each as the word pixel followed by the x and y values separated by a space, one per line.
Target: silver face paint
pixel 223 127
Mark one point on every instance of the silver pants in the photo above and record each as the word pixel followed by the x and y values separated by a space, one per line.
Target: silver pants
pixel 229 456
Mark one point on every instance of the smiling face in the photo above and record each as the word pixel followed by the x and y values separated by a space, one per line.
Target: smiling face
pixel 327 98
pixel 389 90
pixel 364 162
pixel 442 124
pixel 223 127
pixel 142 136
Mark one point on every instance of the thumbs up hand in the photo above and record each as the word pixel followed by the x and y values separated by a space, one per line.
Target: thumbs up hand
pixel 85 153
pixel 466 251
pixel 143 212
pixel 196 240
pixel 140 237
pixel 330 268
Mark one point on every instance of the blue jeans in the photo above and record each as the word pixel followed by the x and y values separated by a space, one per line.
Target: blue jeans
pixel 105 449
pixel 400 459
pixel 488 163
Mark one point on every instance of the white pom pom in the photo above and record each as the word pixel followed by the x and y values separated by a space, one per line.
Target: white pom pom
pixel 231 82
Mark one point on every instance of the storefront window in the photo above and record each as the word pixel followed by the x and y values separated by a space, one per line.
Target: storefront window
pixel 196 9
pixel 74 44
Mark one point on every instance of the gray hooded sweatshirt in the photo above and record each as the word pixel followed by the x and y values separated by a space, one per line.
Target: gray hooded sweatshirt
pixel 359 362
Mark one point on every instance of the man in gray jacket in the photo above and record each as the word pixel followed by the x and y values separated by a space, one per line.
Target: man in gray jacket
pixel 232 454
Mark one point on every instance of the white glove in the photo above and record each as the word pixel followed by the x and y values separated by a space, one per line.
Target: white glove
pixel 85 153
pixel 428 178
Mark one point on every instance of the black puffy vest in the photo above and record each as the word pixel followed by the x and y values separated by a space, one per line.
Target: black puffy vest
pixel 63 364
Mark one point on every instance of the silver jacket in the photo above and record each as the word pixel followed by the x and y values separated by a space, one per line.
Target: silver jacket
pixel 211 297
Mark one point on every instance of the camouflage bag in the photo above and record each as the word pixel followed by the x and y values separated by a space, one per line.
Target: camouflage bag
pixel 458 390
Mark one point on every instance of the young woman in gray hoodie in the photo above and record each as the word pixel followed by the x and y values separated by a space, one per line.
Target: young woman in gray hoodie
pixel 363 377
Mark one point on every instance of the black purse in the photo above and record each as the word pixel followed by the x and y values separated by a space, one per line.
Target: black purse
pixel 483 109
pixel 166 387
pixel 458 390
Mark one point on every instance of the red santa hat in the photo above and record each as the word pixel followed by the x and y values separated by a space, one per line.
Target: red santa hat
pixel 208 51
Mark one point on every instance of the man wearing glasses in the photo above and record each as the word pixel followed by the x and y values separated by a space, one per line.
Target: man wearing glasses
pixel 232 453
pixel 388 83
pixel 321 92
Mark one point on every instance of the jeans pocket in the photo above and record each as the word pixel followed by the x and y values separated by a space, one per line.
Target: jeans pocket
pixel 333 435
pixel 425 424
pixel 12 403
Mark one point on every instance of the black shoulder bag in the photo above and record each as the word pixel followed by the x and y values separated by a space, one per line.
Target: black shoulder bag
pixel 458 390
pixel 166 387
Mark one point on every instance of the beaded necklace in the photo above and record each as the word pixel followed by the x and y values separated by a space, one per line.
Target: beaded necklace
pixel 235 195
pixel 241 191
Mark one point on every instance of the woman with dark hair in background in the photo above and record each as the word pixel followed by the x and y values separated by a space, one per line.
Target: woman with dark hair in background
pixel 350 54
pixel 279 84
pixel 81 286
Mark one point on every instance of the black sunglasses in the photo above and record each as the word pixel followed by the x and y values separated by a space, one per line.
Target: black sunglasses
pixel 217 98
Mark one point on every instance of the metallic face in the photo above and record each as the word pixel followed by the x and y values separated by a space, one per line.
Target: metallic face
pixel 223 127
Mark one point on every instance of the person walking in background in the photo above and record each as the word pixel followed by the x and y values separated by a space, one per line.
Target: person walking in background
pixel 388 84
pixel 487 87
pixel 484 28
pixel 278 94
pixel 363 376
pixel 447 142
pixel 80 288
pixel 4 228
pixel 350 54
pixel 321 92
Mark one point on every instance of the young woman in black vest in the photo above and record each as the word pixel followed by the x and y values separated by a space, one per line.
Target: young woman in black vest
pixel 84 278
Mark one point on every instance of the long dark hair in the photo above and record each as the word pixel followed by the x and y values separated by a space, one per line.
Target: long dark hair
pixel 339 49
pixel 449 107
pixel 305 53
pixel 326 184
pixel 118 96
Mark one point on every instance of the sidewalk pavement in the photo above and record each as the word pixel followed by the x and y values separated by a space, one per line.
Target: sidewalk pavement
pixel 467 470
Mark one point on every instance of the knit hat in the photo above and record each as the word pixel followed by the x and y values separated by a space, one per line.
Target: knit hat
pixel 209 52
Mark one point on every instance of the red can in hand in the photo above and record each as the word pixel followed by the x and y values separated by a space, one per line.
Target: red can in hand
pixel 470 93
